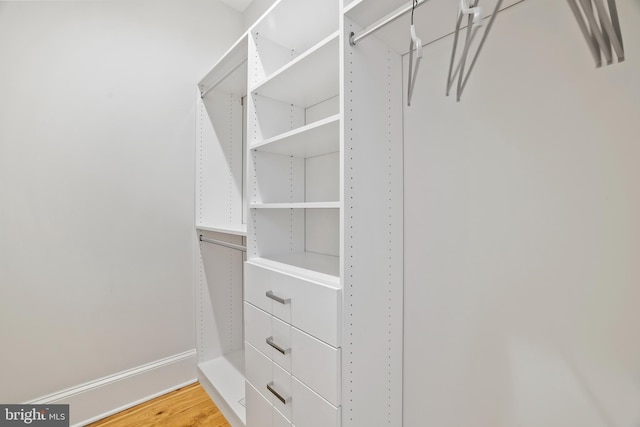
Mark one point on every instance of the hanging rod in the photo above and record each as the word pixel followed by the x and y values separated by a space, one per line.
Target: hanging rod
pixel 399 12
pixel 221 243
pixel 217 82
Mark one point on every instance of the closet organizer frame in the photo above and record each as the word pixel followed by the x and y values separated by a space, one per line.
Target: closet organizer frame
pixel 221 231
pixel 363 108
pixel 294 143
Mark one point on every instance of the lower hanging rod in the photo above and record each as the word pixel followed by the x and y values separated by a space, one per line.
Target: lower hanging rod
pixel 225 244
pixel 399 12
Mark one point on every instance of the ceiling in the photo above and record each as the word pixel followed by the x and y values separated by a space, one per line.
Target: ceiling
pixel 239 5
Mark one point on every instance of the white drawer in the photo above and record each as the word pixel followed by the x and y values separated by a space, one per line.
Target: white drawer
pixel 260 412
pixel 258 369
pixel 268 334
pixel 259 409
pixel 311 410
pixel 273 382
pixel 310 306
pixel 292 399
pixel 316 364
pixel 280 420
pixel 310 360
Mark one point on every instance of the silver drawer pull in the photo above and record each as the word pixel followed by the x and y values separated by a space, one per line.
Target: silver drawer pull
pixel 277 347
pixel 276 394
pixel 274 297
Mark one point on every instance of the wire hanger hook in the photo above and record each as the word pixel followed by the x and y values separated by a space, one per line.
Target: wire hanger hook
pixel 415 44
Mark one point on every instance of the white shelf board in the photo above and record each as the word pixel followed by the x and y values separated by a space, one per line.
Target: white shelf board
pixel 433 19
pixel 315 139
pixel 287 23
pixel 236 80
pixel 349 5
pixel 307 80
pixel 235 229
pixel 365 12
pixel 223 378
pixel 321 268
pixel 299 205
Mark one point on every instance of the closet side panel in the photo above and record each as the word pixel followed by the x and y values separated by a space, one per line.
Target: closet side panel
pixel 372 230
pixel 522 234
pixel 219 203
pixel 219 157
pixel 219 325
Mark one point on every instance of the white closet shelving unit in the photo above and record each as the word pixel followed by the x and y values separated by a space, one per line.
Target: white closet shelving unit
pixel 321 330
pixel 221 216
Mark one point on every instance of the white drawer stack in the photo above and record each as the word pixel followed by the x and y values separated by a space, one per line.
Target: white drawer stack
pixel 292 353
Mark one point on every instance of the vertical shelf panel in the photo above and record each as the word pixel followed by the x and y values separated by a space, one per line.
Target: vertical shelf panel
pixel 373 234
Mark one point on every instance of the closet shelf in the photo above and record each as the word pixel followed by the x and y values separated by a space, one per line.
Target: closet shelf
pixel 229 73
pixel 235 229
pixel 365 12
pixel 315 139
pixel 309 79
pixel 223 378
pixel 349 5
pixel 321 268
pixel 305 29
pixel 298 205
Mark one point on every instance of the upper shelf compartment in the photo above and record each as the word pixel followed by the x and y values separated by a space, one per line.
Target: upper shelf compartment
pixel 309 79
pixel 287 31
pixel 229 74
pixel 302 92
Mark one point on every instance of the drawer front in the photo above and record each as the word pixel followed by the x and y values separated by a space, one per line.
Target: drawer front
pixel 281 341
pixel 273 382
pixel 257 282
pixel 260 412
pixel 287 395
pixel 257 327
pixel 312 361
pixel 279 420
pixel 268 334
pixel 281 392
pixel 258 370
pixel 311 410
pixel 307 305
pixel 259 409
pixel 316 364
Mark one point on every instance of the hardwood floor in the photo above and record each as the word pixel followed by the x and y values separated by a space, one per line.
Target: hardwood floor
pixel 189 406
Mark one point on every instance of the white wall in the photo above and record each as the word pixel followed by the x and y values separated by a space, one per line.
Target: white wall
pixel 96 185
pixel 522 231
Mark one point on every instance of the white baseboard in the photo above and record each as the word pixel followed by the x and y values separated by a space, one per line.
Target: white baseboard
pixel 106 396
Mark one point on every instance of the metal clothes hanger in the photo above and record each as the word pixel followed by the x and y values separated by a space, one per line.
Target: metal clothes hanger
pixel 414 45
pixel 602 32
pixel 473 24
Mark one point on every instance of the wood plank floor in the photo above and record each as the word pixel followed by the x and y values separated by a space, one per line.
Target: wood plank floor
pixel 189 406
